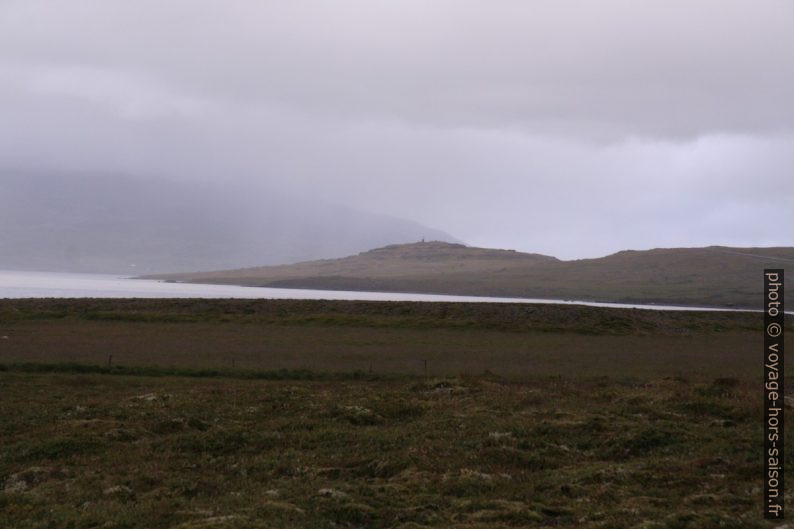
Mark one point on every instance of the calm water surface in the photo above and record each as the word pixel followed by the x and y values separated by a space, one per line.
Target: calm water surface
pixel 17 284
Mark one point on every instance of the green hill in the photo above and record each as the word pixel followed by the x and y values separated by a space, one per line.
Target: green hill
pixel 713 276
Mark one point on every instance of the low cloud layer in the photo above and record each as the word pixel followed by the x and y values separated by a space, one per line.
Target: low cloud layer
pixel 568 128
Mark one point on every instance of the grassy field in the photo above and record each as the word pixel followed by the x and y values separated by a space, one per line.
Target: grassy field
pixel 284 414
pixel 444 339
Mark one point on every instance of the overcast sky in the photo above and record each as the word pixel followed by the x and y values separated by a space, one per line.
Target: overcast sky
pixel 570 128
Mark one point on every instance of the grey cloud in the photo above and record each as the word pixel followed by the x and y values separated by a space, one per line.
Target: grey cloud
pixel 602 69
pixel 570 128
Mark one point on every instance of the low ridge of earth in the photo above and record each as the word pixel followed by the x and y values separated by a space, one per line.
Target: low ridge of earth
pixel 714 276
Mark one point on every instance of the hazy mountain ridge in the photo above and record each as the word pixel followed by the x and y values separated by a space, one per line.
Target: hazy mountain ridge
pixel 711 276
pixel 89 223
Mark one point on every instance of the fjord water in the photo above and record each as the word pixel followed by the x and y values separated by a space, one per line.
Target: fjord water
pixel 23 284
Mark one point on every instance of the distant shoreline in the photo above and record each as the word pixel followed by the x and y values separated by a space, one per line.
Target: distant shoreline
pixel 43 285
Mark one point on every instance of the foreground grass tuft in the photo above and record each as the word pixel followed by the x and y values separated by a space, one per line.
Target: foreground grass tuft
pixel 84 449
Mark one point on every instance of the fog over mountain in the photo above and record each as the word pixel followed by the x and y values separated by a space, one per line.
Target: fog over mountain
pixel 567 128
pixel 113 223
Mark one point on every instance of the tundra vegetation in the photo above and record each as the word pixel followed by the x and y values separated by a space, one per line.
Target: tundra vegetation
pixel 317 414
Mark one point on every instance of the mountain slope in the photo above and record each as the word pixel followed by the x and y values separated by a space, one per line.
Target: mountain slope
pixel 89 223
pixel 713 276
